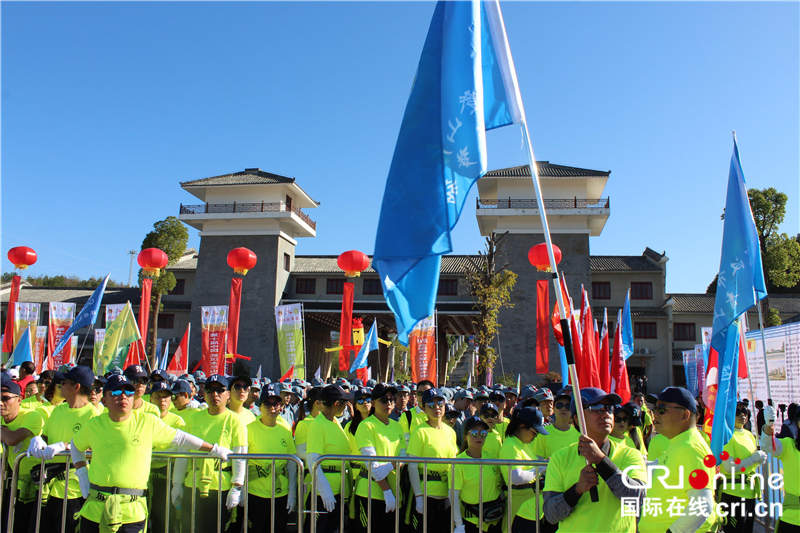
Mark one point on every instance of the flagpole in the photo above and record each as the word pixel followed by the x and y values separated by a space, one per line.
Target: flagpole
pixel 80 352
pixel 565 331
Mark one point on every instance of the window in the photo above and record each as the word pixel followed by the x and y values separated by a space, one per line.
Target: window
pixel 305 286
pixel 601 290
pixel 644 330
pixel 335 286
pixel 448 287
pixel 372 286
pixel 166 321
pixel 287 262
pixel 641 290
pixel 180 287
pixel 685 332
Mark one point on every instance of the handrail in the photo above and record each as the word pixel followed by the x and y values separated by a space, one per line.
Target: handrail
pixel 550 203
pixel 257 207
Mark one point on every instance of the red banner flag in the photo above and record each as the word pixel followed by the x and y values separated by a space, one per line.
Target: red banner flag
pixel 233 314
pixel 60 319
pixel 215 327
pixel 144 308
pixel 422 351
pixel 346 326
pixel 557 315
pixel 8 335
pixel 363 374
pixel 605 375
pixel 542 329
pixel 587 367
pixel 38 348
pixel 288 375
pixel 180 359
pixel 619 372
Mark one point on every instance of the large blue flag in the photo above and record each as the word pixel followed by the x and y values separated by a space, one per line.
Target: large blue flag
pixel 23 350
pixel 88 315
pixel 465 85
pixel 627 329
pixel 740 286
pixel 370 344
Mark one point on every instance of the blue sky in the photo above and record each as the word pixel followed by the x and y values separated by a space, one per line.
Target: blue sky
pixel 107 106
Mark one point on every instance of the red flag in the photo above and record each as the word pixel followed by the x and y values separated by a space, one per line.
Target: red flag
pixel 587 366
pixel 180 360
pixel 288 375
pixel 8 335
pixel 542 329
pixel 619 371
pixel 346 326
pixel 363 374
pixel 233 314
pixel 605 376
pixel 557 315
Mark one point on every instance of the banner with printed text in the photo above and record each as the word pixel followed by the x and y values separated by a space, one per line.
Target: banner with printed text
pixel 289 319
pixel 783 364
pixel 39 347
pixel 690 370
pixel 701 356
pixel 422 351
pixel 214 338
pixel 99 337
pixel 112 312
pixel 61 316
pixel 26 315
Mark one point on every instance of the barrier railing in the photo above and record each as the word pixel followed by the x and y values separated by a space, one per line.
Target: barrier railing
pixel 425 461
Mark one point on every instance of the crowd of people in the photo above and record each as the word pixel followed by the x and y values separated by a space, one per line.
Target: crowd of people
pixel 596 481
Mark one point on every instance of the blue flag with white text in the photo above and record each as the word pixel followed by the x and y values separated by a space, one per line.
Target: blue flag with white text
pixel 465 85
pixel 627 329
pixel 740 286
pixel 23 350
pixel 88 315
pixel 370 344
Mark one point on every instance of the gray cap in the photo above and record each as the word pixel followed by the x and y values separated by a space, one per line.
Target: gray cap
pixel 463 394
pixel 283 387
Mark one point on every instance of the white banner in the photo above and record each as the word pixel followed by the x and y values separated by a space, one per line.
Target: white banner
pixel 783 364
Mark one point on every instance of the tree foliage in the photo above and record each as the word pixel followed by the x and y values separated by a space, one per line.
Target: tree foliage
pixel 490 287
pixel 64 281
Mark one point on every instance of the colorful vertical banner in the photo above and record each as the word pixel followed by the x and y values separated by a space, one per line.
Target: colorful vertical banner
pixel 214 337
pixel 73 357
pixel 542 327
pixel 422 351
pixel 38 347
pixel 119 336
pixel 61 316
pixel 8 332
pixel 26 315
pixel 234 304
pixel 99 337
pixel 346 326
pixel 289 319
pixel 112 312
pixel 701 359
pixel 690 371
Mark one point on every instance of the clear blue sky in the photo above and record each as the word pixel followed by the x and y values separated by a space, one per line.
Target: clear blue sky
pixel 107 106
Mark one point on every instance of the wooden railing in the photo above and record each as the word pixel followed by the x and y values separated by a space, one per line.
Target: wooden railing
pixel 565 203
pixel 236 207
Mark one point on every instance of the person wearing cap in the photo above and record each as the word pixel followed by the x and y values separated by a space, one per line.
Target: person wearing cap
pixel 743 446
pixel 251 402
pixel 289 412
pixel 43 381
pixel 314 405
pixel 524 426
pixel 326 437
pixel 64 422
pixel 490 415
pixel 467 483
pixel 240 390
pixel 480 397
pixel 645 418
pixel 626 430
pixel 221 426
pixel 363 402
pixel 561 433
pixel 615 470
pixel 511 394
pixel 137 375
pixel 18 427
pixel 675 417
pixel 451 418
pixel 787 450
pixel 545 400
pixel 121 444
pixel 433 439
pixel 267 436
pixel 401 409
pixel 97 394
pixel 463 402
pixel 378 435
pixel 52 397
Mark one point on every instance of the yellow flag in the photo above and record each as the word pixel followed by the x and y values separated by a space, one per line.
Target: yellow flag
pixel 119 335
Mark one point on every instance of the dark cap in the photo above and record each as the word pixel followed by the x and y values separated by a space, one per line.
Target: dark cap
pixel 633 412
pixel 593 396
pixel 489 407
pixel 381 389
pixel 135 372
pixel 182 387
pixel 566 392
pixel 117 382
pixel 333 393
pixel 473 421
pixel 82 375
pixel 159 387
pixel 216 378
pixel 12 387
pixel 431 394
pixel 160 374
pixel 532 417
pixel 363 392
pixel 480 393
pixel 242 377
pixel 680 396
pixel 651 398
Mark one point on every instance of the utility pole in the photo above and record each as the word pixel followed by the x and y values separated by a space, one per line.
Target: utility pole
pixel 132 253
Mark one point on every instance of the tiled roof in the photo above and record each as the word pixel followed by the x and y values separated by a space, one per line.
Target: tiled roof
pixel 78 295
pixel 547 170
pixel 785 304
pixel 636 312
pixel 249 176
pixel 326 264
pixel 652 254
pixel 187 262
pixel 621 263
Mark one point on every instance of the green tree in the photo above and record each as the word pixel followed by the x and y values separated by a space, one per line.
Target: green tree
pixel 490 287
pixel 170 236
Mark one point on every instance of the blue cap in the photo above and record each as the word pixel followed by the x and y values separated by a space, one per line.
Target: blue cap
pixel 117 382
pixel 268 392
pixel 489 406
pixel 255 384
pixel 633 412
pixel 680 396
pixel 82 375
pixel 182 386
pixel 403 388
pixel 135 372
pixel 431 394
pixel 371 383
pixel 593 396
pixel 188 377
pixel 481 393
pixel 160 373
pixel 216 378
pixel 362 393
pixel 317 382
pixel 11 386
pixel 160 386
pixel 300 392
pixel 532 417
pixel 472 421
pixel 199 375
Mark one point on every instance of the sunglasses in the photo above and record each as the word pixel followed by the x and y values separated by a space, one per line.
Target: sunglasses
pixel 489 415
pixel 362 401
pixel 97 390
pixel 562 405
pixel 475 433
pixel 384 400
pixel 451 416
pixel 240 386
pixel 437 403
pixel 216 390
pixel 7 398
pixel 273 403
pixel 661 409
pixel 600 408
pixel 740 412
pixel 117 393
pixel 140 381
pixel 621 419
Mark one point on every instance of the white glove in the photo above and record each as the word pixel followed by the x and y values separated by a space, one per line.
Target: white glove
pixel 83 479
pixel 757 458
pixel 177 494
pixel 37 443
pixel 220 453
pixel 391 502
pixel 459 529
pixel 418 503
pixel 383 470
pixel 291 502
pixel 769 415
pixel 328 500
pixel 50 451
pixel 234 497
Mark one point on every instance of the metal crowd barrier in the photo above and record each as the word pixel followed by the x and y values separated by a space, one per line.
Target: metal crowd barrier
pixel 171 455
pixel 425 461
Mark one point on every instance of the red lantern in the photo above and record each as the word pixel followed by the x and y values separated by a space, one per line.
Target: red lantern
pixel 152 260
pixel 353 263
pixel 22 257
pixel 539 258
pixel 241 260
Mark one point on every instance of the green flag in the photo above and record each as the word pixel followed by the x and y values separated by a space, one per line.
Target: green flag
pixel 118 338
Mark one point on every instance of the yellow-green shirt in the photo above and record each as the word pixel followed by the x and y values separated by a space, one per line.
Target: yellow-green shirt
pixel 301 431
pixel 658 445
pixel 387 440
pixel 741 446
pixel 268 440
pixel 466 478
pixel 546 445
pixel 148 408
pixel 31 403
pixel 62 426
pixel 226 430
pixel 246 417
pixel 492 444
pixel 426 441
pixel 790 457
pixel 328 438
pixel 31 420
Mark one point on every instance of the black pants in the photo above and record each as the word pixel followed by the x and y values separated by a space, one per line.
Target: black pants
pixel 438 518
pixel 785 527
pixel 51 515
pixel 522 525
pixel 259 514
pixel 382 521
pixel 87 526
pixel 158 500
pixel 327 522
pixel 22 514
pixel 205 512
pixel 469 527
pixel 740 519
